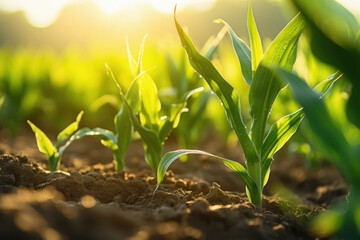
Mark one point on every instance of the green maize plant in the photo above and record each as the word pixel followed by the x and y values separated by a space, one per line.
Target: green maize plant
pixel 54 152
pixel 141 112
pixel 335 40
pixel 264 88
pixel 119 141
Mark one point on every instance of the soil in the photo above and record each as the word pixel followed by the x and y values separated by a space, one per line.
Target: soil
pixel 199 199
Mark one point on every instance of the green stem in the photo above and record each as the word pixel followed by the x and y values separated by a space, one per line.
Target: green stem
pixel 254 170
pixel 119 162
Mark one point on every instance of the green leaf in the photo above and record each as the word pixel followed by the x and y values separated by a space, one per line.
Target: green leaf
pixel 132 63
pixel 279 134
pixel 325 86
pixel 150 103
pixel 170 157
pixel 212 44
pixel 124 131
pixel 225 92
pixel 69 130
pixel 265 85
pixel 255 41
pixel 284 128
pixel 335 40
pixel 172 121
pixel 133 94
pixel 140 57
pixel 332 140
pixel 152 145
pixel 43 142
pixel 243 53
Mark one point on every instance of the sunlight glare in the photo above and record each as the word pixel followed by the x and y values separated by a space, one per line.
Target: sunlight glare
pixel 40 13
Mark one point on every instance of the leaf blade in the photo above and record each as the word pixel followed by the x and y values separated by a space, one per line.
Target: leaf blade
pixel 225 92
pixel 255 41
pixel 265 85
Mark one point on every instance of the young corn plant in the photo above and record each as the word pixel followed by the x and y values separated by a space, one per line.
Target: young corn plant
pixel 119 140
pixel 141 111
pixel 334 34
pixel 54 152
pixel 258 148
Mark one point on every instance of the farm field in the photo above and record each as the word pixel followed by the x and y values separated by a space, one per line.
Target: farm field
pixel 150 121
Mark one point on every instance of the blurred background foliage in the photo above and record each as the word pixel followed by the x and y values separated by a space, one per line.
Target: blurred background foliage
pixel 52 68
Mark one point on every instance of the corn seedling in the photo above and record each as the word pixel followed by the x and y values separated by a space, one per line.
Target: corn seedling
pixel 54 152
pixel 264 88
pixel 334 40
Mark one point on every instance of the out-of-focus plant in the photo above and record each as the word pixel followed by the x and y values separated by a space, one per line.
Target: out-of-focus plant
pixel 264 88
pixel 335 40
pixel 140 111
pixel 54 152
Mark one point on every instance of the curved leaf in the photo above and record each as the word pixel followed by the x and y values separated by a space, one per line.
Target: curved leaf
pixel 69 130
pixel 176 110
pixel 265 85
pixel 43 142
pixel 332 140
pixel 150 103
pixel 242 52
pixel 225 92
pixel 280 133
pixel 170 157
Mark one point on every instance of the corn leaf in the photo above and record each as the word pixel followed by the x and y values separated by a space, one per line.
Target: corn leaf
pixel 265 85
pixel 325 86
pixel 212 44
pixel 152 145
pixel 132 63
pixel 69 130
pixel 243 53
pixel 124 131
pixel 176 110
pixel 150 103
pixel 43 142
pixel 335 40
pixel 170 157
pixel 284 128
pixel 331 138
pixel 225 92
pixel 255 41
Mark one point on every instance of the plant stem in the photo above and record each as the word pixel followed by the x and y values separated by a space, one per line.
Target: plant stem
pixel 254 169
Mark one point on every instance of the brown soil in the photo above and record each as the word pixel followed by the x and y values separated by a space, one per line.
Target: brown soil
pixel 199 199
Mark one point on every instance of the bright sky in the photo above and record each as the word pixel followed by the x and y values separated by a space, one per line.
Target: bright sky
pixel 41 13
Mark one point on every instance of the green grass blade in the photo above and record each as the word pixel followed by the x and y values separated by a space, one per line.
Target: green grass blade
pixel 43 142
pixel 242 52
pixel 265 85
pixel 69 130
pixel 225 92
pixel 255 41
pixel 170 157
